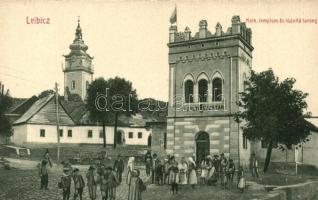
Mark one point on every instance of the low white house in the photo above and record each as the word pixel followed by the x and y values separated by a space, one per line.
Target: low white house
pixel 38 125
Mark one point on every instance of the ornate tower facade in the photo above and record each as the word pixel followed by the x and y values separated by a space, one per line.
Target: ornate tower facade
pixel 78 71
pixel 206 72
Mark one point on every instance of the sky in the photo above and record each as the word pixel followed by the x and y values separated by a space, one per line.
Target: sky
pixel 129 39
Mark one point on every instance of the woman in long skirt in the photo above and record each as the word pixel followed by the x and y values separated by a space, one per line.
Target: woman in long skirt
pixel 183 169
pixel 136 186
pixel 193 180
pixel 130 168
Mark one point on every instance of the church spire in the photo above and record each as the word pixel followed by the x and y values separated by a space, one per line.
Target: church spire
pixel 78 33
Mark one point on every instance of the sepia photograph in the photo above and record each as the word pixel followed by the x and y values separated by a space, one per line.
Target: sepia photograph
pixel 158 99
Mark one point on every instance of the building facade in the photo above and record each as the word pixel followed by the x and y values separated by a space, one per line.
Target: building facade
pixel 206 72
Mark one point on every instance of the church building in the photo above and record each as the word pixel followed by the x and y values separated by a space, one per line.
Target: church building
pixel 207 71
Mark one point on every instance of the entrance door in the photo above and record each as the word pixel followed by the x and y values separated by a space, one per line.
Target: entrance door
pixel 202 146
pixel 119 137
pixel 149 141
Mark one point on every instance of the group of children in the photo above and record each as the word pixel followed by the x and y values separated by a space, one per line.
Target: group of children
pixel 108 178
pixel 210 171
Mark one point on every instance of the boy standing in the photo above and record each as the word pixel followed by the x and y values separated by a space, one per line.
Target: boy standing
pixel 91 182
pixel 65 183
pixel 78 184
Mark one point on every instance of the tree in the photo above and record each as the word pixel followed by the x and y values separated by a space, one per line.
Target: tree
pixel 123 101
pixel 108 99
pixel 273 112
pixel 5 104
pixel 96 102
pixel 45 93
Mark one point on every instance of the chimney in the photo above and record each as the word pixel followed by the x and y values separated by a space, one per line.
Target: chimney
pixel 218 29
pixel 203 29
pixel 236 25
pixel 187 33
pixel 172 31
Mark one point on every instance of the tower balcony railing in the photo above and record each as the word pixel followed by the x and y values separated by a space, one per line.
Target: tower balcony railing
pixel 204 106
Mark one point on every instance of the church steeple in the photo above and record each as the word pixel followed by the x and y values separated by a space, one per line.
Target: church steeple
pixel 78 33
pixel 78 71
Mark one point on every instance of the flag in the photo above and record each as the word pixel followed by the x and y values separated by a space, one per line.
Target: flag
pixel 173 18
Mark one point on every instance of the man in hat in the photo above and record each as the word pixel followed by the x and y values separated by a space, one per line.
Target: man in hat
pixel 65 183
pixel 79 184
pixel 92 182
pixel 119 167
pixel 44 174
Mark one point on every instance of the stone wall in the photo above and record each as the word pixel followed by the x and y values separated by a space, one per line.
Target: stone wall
pixel 302 191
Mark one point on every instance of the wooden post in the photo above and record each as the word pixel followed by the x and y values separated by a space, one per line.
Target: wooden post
pixel 57 121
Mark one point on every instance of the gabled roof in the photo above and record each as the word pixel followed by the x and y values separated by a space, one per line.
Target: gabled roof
pixel 312 123
pixel 24 106
pixel 40 103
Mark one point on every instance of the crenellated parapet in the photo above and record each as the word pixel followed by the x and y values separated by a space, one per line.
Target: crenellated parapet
pixel 237 28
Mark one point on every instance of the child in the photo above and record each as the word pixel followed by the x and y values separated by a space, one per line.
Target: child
pixel 159 172
pixel 43 172
pixel 174 180
pixel 204 170
pixel 193 180
pixel 65 183
pixel 103 183
pixel 112 183
pixel 91 182
pixel 231 170
pixel 136 186
pixel 241 179
pixel 79 184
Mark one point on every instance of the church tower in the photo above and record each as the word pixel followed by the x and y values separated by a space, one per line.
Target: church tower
pixel 207 71
pixel 78 71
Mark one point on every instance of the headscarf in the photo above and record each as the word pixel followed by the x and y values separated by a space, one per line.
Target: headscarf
pixel 191 161
pixel 130 163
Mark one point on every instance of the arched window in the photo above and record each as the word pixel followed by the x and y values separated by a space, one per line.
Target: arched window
pixel 217 89
pixel 188 91
pixel 203 90
pixel 73 85
pixel 87 85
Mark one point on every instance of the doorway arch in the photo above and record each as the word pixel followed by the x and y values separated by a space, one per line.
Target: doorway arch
pixel 120 137
pixel 202 140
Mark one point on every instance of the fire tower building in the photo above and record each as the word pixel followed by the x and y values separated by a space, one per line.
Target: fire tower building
pixel 206 73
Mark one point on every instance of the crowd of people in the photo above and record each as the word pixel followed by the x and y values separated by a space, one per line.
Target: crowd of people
pixel 108 178
pixel 211 170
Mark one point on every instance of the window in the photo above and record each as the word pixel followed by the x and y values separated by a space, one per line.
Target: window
pixel 139 135
pixel 90 134
pixel 101 134
pixel 69 133
pixel 42 133
pixel 130 135
pixel 217 89
pixel 73 85
pixel 87 85
pixel 203 90
pixel 61 132
pixel 244 142
pixel 188 91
